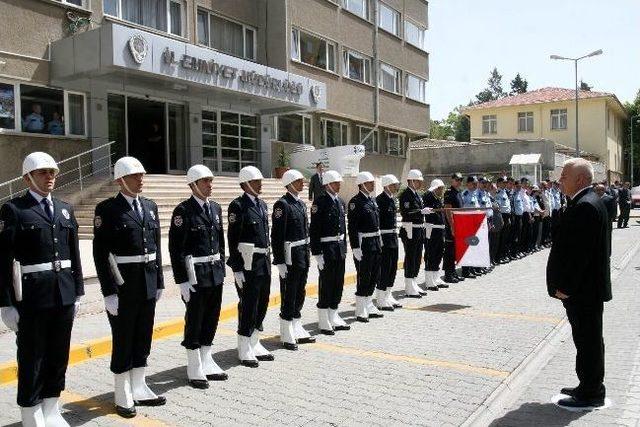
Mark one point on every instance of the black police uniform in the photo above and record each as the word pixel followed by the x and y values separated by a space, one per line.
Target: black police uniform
pixel 28 235
pixel 120 231
pixel 452 199
pixel 388 227
pixel 364 218
pixel 328 222
pixel 249 223
pixel 290 226
pixel 434 245
pixel 410 207
pixel 198 233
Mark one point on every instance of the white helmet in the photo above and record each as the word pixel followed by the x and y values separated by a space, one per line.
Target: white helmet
pixel 389 180
pixel 127 166
pixel 415 174
pixel 364 177
pixel 249 173
pixel 197 172
pixel 436 183
pixel 290 176
pixel 38 160
pixel 331 176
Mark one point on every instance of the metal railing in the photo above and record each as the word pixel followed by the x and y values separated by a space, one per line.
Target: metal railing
pixel 76 170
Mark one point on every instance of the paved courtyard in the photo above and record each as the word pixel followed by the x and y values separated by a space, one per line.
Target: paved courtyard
pixel 490 350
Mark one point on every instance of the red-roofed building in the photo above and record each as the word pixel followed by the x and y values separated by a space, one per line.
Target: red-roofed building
pixel 549 114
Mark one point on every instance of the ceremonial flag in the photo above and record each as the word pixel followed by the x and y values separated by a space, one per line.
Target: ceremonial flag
pixel 471 239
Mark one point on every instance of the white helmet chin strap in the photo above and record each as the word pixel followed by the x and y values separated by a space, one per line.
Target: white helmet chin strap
pixel 126 187
pixel 251 191
pixel 33 182
pixel 196 190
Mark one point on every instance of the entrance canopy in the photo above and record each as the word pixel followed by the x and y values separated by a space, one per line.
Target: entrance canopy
pixel 118 51
pixel 527 166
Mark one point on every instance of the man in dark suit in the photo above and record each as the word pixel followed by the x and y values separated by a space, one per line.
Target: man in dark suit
pixel 316 189
pixel 610 203
pixel 624 200
pixel 578 273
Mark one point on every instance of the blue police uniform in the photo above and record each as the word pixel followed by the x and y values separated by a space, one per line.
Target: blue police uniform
pixel 34 122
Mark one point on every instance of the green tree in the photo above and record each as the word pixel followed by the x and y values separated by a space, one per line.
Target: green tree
pixel 455 126
pixel 494 88
pixel 585 86
pixel 463 126
pixel 633 110
pixel 441 129
pixel 518 85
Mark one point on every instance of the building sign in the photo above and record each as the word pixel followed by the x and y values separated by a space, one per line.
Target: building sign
pixel 138 47
pixel 344 159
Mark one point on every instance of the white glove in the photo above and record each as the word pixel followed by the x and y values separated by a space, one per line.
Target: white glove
pixel 111 304
pixel 158 294
pixel 320 261
pixel 239 276
pixel 282 269
pixel 185 289
pixel 10 317
pixel 357 253
pixel 76 306
pixel 426 211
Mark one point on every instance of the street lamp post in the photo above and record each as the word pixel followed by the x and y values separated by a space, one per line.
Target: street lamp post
pixel 575 61
pixel 634 120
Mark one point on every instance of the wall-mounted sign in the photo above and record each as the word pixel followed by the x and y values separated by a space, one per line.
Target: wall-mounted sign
pixel 138 47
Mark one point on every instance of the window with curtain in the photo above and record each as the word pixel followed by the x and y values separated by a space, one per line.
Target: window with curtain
pixel 389 78
pixel 415 35
pixel 416 88
pixel 389 19
pixel 313 50
pixel 559 119
pixel 226 36
pixel 357 7
pixel 525 122
pixel 163 15
pixel 356 66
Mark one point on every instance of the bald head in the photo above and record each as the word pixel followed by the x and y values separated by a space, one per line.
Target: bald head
pixel 577 173
pixel 600 189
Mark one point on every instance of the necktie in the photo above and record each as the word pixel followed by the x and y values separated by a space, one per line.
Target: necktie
pixel 259 207
pixel 46 204
pixel 136 208
pixel 207 210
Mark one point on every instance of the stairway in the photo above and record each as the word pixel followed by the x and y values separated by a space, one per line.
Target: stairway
pixel 169 190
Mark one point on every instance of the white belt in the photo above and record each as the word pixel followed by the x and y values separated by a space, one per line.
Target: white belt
pixel 247 250
pixel 190 261
pixel 332 238
pixel 389 231
pixel 206 259
pixel 367 235
pixel 408 228
pixel 430 227
pixel 290 245
pixel 46 266
pixel 135 259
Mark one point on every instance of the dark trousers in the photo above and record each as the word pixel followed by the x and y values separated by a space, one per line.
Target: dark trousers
pixel 586 328
pixel 505 237
pixel 201 317
pixel 546 229
pixel 494 245
pixel 368 273
pixel 525 233
pixel 131 332
pixel 330 284
pixel 434 250
pixel 516 233
pixel 412 254
pixel 43 352
pixel 292 292
pixel 555 222
pixel 623 218
pixel 449 257
pixel 388 267
pixel 253 301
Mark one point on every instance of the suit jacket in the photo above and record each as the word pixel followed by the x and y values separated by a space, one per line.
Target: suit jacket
pixel 193 233
pixel 624 198
pixel 290 224
pixel 579 264
pixel 117 229
pixel 248 223
pixel 28 236
pixel 388 219
pixel 316 189
pixel 328 220
pixel 363 217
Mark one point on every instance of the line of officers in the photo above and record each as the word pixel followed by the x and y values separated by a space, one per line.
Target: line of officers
pixel 41 279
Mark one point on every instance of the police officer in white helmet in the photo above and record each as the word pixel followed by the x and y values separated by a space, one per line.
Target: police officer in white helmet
pixel 249 258
pixel 40 285
pixel 127 255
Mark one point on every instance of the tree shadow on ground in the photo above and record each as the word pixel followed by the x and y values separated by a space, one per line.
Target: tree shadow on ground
pixel 538 414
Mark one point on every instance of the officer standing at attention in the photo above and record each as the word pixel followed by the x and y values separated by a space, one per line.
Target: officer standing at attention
pixel 434 242
pixel 412 232
pixel 386 202
pixel 470 200
pixel 366 245
pixel 249 258
pixel 452 200
pixel 518 223
pixel 40 285
pixel 329 248
pixel 196 245
pixel 127 255
pixel 290 244
pixel 504 204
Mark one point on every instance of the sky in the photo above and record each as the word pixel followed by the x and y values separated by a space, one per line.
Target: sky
pixel 467 38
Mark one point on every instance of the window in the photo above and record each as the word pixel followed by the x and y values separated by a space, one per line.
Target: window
pixel 416 88
pixel 313 50
pixel 389 19
pixel 334 133
pixel 389 78
pixel 369 139
pixel 41 110
pixel 415 35
pixel 358 7
pixel 559 119
pixel 294 128
pixel 525 122
pixel 356 66
pixel 163 15
pixel 229 141
pixel 74 2
pixel 226 36
pixel 489 124
pixel 395 144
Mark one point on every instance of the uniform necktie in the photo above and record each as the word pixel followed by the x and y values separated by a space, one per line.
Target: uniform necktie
pixel 207 210
pixel 46 204
pixel 136 207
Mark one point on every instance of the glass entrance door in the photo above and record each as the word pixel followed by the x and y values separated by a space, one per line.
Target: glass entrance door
pixel 176 146
pixel 229 141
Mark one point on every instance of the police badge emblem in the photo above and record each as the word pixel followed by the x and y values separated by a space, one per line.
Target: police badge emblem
pixel 314 209
pixel 232 218
pixel 277 212
pixel 407 204
pixel 65 213
pixel 97 221
pixel 177 221
pixel 352 206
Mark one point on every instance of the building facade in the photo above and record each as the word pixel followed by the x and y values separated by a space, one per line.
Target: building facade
pixel 227 83
pixel 549 114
